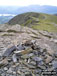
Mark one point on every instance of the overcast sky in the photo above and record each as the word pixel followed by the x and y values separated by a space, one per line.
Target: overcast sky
pixel 27 2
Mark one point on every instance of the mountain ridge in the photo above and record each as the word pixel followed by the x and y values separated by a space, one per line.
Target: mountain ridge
pixel 36 21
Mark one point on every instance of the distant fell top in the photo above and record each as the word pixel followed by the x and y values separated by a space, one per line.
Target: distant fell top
pixel 35 20
pixel 22 18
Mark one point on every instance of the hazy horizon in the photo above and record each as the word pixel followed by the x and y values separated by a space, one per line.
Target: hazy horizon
pixel 27 2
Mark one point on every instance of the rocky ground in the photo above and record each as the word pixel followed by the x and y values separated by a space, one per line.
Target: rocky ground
pixel 27 52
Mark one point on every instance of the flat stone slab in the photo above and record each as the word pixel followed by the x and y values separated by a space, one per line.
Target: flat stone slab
pixel 9 51
pixel 37 59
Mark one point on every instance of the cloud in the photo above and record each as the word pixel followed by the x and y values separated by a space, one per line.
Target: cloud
pixel 27 2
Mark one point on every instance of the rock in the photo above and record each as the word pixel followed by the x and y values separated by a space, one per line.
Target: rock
pixel 10 71
pixel 55 40
pixel 15 65
pixel 29 65
pixel 18 72
pixel 45 33
pixel 41 50
pixel 37 71
pixel 3 74
pixel 50 52
pixel 44 50
pixel 41 67
pixel 51 69
pixel 3 62
pixel 22 52
pixel 17 52
pixel 20 47
pixel 25 70
pixel 48 59
pixel 55 54
pixel 5 68
pixel 37 59
pixel 33 63
pixel 14 58
pixel 41 63
pixel 35 47
pixel 44 54
pixel 28 43
pixel 14 72
pixel 9 59
pixel 34 36
pixel 9 51
pixel 28 74
pixel 36 52
pixel 50 64
pixel 33 54
pixel 54 63
pixel 29 60
pixel 30 55
pixel 33 41
pixel 37 75
pixel 25 56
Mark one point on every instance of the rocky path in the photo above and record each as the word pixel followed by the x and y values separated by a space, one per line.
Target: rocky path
pixel 27 52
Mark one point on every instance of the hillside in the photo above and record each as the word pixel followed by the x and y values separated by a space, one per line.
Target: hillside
pixel 36 21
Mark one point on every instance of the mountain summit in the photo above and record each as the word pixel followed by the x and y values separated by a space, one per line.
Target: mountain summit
pixel 36 21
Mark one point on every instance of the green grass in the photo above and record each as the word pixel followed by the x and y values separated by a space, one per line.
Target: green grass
pixel 36 21
pixel 45 26
pixel 46 22
pixel 28 22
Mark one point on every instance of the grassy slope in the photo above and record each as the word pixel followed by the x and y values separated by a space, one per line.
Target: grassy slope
pixel 36 21
pixel 49 23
